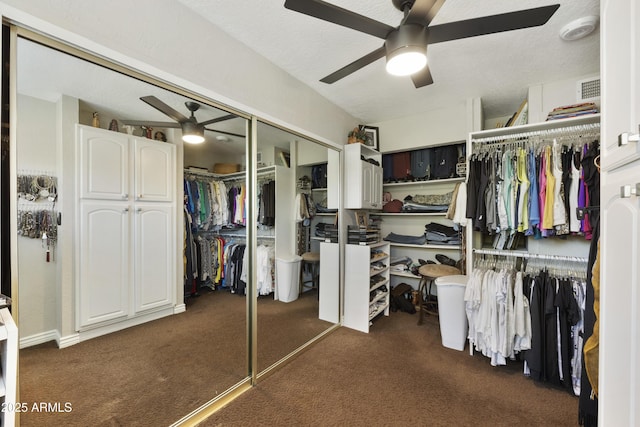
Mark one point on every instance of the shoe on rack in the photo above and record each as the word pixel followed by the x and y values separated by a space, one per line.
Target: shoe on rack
pixel 443 259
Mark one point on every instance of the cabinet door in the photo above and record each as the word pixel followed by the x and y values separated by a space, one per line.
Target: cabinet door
pixel 154 256
pixel 104 164
pixel 619 379
pixel 367 185
pixel 376 187
pixel 103 262
pixel 154 169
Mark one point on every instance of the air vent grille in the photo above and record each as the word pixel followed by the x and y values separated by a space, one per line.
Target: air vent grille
pixel 588 89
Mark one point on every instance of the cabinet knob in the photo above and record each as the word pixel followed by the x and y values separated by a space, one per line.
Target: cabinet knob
pixel 627 191
pixel 139 210
pixel 125 196
pixel 139 196
pixel 125 210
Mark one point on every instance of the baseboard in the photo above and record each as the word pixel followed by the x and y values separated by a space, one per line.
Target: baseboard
pixel 69 340
pixel 40 338
pixel 96 331
pixel 180 308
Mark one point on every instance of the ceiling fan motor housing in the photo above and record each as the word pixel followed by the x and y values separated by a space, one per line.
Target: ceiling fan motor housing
pixel 402 4
pixel 407 37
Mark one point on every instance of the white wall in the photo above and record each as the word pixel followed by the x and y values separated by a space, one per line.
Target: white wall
pixel 545 97
pixel 38 287
pixel 135 33
pixel 434 127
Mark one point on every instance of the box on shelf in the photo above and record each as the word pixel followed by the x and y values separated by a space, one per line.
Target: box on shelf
pixel 226 168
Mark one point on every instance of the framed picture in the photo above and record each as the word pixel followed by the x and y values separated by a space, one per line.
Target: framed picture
pixel 362 219
pixel 373 134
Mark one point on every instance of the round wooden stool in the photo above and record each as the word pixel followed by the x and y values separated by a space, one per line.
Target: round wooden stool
pixel 428 273
pixel 311 259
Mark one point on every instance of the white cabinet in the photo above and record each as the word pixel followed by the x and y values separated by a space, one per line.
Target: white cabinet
pixel 619 379
pixel 366 284
pixel 9 366
pixel 126 255
pixel 154 258
pixel 329 292
pixel 103 261
pixel 106 172
pixel 363 179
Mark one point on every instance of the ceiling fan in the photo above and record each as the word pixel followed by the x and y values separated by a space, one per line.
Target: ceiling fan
pixel 192 129
pixel 405 46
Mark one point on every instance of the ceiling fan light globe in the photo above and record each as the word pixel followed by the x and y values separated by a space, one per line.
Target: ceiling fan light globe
pixel 406 49
pixel 193 139
pixel 192 133
pixel 406 63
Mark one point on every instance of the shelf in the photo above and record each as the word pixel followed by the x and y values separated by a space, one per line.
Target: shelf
pixel 379 284
pixel 378 311
pixel 318 189
pixel 408 213
pixel 404 274
pixel 441 247
pixel 378 298
pixel 427 182
pixel 373 272
pixel 331 214
pixel 514 131
pixel 380 256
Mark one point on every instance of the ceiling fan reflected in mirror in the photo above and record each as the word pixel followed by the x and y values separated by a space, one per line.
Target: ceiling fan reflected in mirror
pixel 192 130
pixel 405 46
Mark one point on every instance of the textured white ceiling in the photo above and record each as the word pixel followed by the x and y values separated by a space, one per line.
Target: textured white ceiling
pixel 497 68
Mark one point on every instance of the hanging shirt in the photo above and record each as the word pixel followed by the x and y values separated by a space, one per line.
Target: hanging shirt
pixel 534 207
pixel 523 191
pixel 547 223
pixel 574 222
pixel 559 211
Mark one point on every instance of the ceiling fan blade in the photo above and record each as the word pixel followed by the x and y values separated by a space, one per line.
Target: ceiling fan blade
pixel 151 124
pixel 422 77
pixel 423 11
pixel 218 119
pixel 337 15
pixel 355 66
pixel 491 24
pixel 225 132
pixel 164 108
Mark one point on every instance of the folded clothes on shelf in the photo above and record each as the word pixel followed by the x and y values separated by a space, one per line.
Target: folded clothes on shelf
pixel 427 203
pixel 441 234
pixel 401 238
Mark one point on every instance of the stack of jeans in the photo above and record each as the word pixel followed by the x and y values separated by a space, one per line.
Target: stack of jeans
pixel 400 238
pixel 438 234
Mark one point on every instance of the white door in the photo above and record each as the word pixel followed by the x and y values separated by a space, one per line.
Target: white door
pixel 154 256
pixel 104 164
pixel 619 378
pixel 367 185
pixel 376 187
pixel 103 262
pixel 154 169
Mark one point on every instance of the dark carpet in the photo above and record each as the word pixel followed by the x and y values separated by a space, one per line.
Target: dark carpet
pixel 397 375
pixel 154 374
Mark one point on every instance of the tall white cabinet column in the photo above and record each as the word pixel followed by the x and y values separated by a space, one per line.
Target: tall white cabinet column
pixel 126 231
pixel 619 377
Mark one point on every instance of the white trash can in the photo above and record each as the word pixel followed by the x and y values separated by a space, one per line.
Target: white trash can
pixel 288 278
pixel 451 311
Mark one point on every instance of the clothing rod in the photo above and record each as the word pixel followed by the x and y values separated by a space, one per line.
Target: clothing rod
pixel 518 254
pixel 575 130
pixel 236 176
